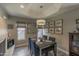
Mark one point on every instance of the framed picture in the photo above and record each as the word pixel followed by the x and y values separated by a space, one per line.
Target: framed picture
pixel 59 26
pixel 77 21
pixel 59 22
pixel 58 30
pixel 51 30
pixel 77 24
pixel 51 23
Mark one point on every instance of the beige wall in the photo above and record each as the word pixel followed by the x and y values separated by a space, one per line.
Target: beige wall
pixel 3 28
pixel 69 25
pixel 13 20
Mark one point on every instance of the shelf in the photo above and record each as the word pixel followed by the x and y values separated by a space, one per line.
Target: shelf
pixel 73 44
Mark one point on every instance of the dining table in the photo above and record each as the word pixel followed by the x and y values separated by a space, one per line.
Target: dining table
pixel 46 46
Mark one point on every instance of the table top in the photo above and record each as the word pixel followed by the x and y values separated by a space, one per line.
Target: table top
pixel 44 44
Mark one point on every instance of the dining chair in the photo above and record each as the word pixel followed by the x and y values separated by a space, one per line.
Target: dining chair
pixel 32 48
pixel 37 50
pixel 52 39
pixel 29 43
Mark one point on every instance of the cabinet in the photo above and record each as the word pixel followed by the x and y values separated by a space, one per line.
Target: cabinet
pixel 74 44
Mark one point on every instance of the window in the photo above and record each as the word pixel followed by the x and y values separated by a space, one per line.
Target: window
pixel 45 31
pixel 42 32
pixel 21 33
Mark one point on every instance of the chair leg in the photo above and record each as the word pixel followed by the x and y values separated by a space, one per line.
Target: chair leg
pixel 30 52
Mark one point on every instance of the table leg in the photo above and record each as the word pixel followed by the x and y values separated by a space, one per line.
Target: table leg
pixel 46 53
pixel 40 52
pixel 55 50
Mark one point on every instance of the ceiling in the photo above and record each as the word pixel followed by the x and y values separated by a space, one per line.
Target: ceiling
pixel 36 10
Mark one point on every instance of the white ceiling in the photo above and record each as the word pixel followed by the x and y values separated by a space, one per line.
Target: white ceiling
pixel 33 10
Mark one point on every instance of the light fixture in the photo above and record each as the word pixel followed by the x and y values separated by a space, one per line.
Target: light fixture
pixel 41 6
pixel 41 22
pixel 22 6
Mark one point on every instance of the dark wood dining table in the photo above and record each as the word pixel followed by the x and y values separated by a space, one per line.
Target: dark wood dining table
pixel 47 46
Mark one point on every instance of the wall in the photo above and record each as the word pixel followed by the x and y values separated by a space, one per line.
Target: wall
pixel 3 28
pixel 13 20
pixel 69 25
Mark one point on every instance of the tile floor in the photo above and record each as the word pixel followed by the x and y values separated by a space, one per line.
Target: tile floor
pixel 21 51
pixel 24 51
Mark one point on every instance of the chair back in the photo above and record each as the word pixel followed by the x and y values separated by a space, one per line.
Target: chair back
pixel 33 47
pixel 44 37
pixel 52 39
pixel 37 50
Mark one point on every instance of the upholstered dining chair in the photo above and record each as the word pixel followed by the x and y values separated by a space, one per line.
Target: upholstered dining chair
pixel 32 48
pixel 52 39
pixel 29 43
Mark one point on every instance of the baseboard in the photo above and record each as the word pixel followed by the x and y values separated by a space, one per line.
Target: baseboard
pixel 64 51
pixel 21 45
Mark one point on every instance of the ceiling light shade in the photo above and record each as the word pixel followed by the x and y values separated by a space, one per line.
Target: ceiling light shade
pixel 41 22
pixel 22 6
